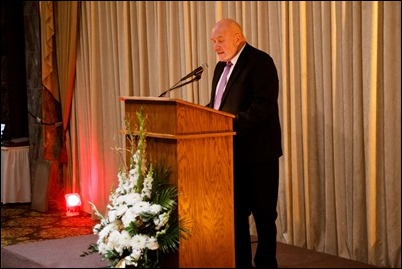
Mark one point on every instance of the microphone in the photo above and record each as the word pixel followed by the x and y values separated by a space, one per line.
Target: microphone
pixel 197 76
pixel 197 71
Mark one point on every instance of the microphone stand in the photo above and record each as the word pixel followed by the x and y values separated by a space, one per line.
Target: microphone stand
pixel 196 78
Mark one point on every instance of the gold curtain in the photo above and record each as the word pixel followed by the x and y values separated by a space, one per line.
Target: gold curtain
pixel 66 24
pixel 49 68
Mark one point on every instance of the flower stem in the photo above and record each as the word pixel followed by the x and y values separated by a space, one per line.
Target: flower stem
pixel 141 147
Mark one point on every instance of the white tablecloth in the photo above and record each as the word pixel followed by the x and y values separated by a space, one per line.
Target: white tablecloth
pixel 15 175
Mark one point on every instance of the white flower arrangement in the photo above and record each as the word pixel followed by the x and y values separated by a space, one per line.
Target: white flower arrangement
pixel 141 223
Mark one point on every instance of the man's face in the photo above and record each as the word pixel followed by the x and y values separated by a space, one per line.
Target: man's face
pixel 225 43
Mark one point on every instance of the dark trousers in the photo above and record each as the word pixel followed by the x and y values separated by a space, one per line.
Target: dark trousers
pixel 256 192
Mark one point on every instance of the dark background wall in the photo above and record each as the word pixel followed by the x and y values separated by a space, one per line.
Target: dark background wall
pixel 14 107
pixel 21 86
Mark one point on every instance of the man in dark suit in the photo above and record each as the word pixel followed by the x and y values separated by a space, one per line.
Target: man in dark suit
pixel 251 94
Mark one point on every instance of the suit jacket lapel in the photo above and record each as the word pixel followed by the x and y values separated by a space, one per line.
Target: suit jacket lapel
pixel 235 73
pixel 215 80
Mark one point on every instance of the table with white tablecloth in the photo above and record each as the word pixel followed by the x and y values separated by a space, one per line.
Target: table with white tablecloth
pixel 15 175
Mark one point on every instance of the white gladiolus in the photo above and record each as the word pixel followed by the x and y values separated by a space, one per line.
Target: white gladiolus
pixel 128 233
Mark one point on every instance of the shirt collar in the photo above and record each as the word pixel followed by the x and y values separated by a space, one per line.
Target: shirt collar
pixel 236 57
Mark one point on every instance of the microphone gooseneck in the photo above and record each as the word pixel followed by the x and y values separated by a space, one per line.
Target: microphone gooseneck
pixel 196 74
pixel 196 71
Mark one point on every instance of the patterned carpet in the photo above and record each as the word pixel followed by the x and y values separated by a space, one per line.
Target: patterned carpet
pixel 19 223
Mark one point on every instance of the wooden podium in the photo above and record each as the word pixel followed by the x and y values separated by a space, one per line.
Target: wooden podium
pixel 196 143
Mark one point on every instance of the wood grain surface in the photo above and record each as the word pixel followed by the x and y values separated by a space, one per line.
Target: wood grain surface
pixel 196 143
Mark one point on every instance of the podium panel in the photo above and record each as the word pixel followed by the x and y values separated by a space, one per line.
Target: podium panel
pixel 196 143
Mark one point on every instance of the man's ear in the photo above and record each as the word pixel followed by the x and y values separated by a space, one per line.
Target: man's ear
pixel 237 38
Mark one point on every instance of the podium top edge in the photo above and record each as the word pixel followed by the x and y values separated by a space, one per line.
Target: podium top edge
pixel 173 100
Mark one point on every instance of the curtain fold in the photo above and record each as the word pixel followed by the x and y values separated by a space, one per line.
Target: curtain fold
pixel 66 27
pixel 49 66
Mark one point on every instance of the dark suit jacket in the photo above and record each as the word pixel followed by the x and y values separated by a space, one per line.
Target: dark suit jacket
pixel 251 94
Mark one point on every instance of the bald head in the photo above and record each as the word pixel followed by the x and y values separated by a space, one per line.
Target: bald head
pixel 228 39
pixel 229 25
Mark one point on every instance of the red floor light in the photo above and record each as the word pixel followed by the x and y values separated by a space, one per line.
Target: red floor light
pixel 73 204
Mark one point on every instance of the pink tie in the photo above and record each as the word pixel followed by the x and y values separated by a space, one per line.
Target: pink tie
pixel 222 85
